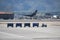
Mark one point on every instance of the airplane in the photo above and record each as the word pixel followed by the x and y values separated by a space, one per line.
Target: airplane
pixel 33 14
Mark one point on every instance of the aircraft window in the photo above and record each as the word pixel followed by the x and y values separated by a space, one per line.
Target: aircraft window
pixel 27 24
pixel 35 24
pixel 10 25
pixel 18 24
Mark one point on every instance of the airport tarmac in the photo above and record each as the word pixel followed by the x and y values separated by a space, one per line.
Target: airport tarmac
pixel 50 33
pixel 40 33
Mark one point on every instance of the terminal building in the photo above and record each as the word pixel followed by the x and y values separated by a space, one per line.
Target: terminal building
pixel 6 15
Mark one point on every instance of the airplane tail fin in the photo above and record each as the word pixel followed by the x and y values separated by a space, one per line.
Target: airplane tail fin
pixel 35 12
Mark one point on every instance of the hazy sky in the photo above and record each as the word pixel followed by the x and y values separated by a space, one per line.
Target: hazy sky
pixel 30 5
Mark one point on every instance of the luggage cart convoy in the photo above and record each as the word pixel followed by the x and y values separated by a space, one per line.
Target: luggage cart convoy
pixel 25 25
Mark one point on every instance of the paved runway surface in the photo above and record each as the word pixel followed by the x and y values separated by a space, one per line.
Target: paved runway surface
pixel 45 33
